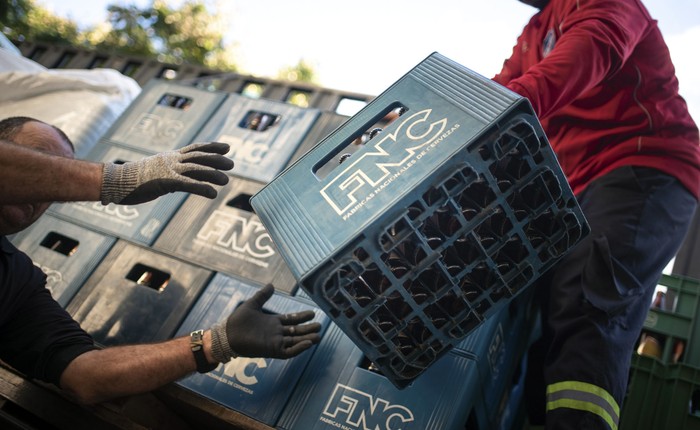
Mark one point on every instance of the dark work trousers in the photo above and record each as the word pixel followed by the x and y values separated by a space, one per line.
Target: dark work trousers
pixel 595 299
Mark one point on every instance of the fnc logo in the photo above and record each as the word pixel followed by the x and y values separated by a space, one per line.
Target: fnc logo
pixel 241 234
pixel 496 351
pixel 157 127
pixel 54 279
pixel 243 369
pixel 122 212
pixel 362 174
pixel 350 407
pixel 244 149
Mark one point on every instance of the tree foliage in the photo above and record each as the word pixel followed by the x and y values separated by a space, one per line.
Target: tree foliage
pixel 13 16
pixel 129 32
pixel 24 20
pixel 302 71
pixel 190 33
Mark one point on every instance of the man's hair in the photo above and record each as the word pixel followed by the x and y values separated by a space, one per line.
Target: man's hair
pixel 9 127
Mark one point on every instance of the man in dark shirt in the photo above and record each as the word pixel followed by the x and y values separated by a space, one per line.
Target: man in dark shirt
pixel 39 338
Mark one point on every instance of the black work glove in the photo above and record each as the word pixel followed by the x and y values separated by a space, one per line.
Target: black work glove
pixel 251 332
pixel 185 169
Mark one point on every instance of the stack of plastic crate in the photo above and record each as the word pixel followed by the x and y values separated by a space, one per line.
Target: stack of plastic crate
pixel 224 234
pixel 130 289
pixel 150 272
pixel 165 116
pixel 409 236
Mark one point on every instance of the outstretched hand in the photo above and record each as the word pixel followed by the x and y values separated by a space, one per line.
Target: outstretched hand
pixel 189 169
pixel 253 332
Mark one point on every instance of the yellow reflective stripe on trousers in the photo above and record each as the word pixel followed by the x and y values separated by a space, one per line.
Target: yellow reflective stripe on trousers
pixel 584 397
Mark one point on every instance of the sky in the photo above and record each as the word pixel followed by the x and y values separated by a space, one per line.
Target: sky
pixel 365 46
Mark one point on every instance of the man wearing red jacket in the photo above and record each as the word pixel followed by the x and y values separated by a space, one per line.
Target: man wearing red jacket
pixel 600 78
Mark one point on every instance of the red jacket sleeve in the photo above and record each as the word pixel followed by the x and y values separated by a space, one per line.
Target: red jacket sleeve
pixel 594 38
pixel 512 67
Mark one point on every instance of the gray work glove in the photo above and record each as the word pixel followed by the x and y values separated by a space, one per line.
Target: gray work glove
pixel 251 332
pixel 185 169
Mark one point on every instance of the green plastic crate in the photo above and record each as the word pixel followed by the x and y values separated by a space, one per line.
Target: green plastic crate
pixel 661 396
pixel 678 320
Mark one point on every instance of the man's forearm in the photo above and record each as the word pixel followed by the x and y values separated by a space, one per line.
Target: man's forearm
pixel 127 370
pixel 27 176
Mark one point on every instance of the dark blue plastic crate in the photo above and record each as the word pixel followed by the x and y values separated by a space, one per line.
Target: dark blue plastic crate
pixel 137 295
pixel 257 387
pixel 498 347
pixel 65 251
pixel 340 388
pixel 139 223
pixel 263 134
pixel 511 410
pixel 223 234
pixel 411 239
pixel 165 116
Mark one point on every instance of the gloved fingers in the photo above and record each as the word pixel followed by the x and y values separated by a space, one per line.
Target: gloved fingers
pixel 148 191
pixel 297 318
pixel 198 188
pixel 288 341
pixel 186 166
pixel 207 175
pixel 214 161
pixel 301 330
pixel 311 337
pixel 211 147
pixel 262 296
pixel 163 186
pixel 296 349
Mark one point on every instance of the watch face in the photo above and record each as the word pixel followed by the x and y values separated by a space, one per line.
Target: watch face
pixel 196 339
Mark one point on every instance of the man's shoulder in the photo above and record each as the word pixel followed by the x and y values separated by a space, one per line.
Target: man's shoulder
pixel 6 246
pixel 14 257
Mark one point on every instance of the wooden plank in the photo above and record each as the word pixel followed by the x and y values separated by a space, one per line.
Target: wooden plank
pixel 51 405
pixel 171 407
pixel 205 412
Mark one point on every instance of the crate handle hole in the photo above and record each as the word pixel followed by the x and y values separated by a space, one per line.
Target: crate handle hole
pixel 242 202
pixel 60 243
pixel 175 101
pixel 149 277
pixel 259 121
pixel 358 139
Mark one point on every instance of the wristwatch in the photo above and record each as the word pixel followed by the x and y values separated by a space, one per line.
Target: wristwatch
pixel 197 346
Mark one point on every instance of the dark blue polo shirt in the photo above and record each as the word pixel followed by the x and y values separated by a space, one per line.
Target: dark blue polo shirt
pixel 37 336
